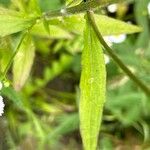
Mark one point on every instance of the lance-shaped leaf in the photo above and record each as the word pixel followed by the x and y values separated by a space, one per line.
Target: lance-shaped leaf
pixel 13 21
pixel 23 62
pixel 107 25
pixel 92 85
pixel 5 53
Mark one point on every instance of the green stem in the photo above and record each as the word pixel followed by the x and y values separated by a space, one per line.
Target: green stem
pixel 82 7
pixel 118 61
pixel 12 57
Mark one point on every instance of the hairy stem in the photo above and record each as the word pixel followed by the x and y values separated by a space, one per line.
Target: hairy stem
pixel 138 82
pixel 82 7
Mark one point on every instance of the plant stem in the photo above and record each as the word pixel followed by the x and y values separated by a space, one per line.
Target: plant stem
pixel 118 61
pixel 12 57
pixel 82 7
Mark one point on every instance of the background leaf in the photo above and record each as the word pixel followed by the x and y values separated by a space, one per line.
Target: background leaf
pixel 48 5
pixel 12 22
pixel 54 31
pixel 23 62
pixel 141 16
pixel 13 96
pixel 4 2
pixel 5 53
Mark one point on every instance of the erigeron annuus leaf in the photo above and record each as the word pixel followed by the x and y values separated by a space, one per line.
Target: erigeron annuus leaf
pixel 54 32
pixel 23 62
pixel 5 53
pixel 12 21
pixel 107 25
pixel 93 87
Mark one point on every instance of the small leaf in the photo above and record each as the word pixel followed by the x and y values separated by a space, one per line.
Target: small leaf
pixel 13 21
pixel 108 26
pixel 23 62
pixel 93 86
pixel 54 31
pixel 5 53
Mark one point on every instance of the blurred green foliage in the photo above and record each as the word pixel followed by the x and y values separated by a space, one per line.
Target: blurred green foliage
pixel 44 114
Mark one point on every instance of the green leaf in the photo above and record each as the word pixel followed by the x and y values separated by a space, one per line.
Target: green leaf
pixel 126 113
pixel 5 53
pixel 48 5
pixel 13 21
pixel 68 124
pixel 23 62
pixel 108 26
pixel 13 96
pixel 93 86
pixel 34 8
pixel 46 26
pixel 20 5
pixel 142 18
pixel 5 2
pixel 54 31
